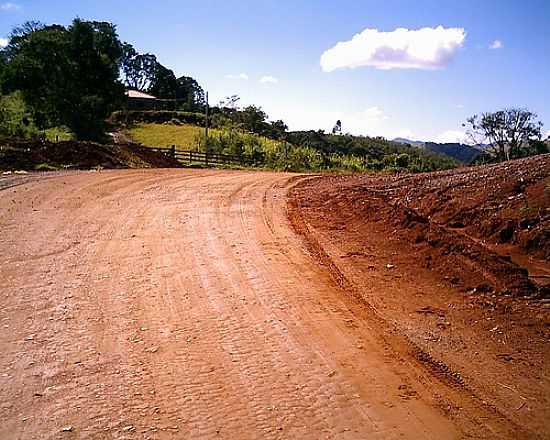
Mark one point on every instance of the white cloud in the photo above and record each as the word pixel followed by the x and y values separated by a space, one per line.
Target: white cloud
pixel 452 136
pixel 497 44
pixel 426 48
pixel 242 76
pixel 9 6
pixel 547 136
pixel 268 80
pixel 373 114
pixel 3 42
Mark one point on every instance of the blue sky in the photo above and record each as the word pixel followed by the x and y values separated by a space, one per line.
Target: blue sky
pixel 436 80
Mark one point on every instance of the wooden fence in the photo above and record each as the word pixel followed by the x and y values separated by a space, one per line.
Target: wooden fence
pixel 208 158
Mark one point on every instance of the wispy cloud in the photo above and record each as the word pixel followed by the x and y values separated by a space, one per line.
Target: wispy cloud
pixel 10 6
pixel 426 48
pixel 241 76
pixel 373 114
pixel 3 42
pixel 268 79
pixel 497 44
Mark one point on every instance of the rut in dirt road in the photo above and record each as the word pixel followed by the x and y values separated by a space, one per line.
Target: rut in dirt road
pixel 168 304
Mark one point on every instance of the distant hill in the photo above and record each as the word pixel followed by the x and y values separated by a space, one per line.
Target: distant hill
pixel 407 141
pixel 461 152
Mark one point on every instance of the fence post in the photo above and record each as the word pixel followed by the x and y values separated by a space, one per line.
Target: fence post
pixel 173 151
pixel 206 157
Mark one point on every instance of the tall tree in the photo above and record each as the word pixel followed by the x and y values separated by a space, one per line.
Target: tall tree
pixel 164 83
pixel 138 70
pixel 509 132
pixel 190 94
pixel 67 76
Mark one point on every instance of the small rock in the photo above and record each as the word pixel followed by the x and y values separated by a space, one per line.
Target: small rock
pixel 67 429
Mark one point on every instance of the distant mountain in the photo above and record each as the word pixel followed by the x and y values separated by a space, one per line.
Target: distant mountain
pixel 461 152
pixel 407 141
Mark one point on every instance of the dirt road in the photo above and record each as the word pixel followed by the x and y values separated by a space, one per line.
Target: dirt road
pixel 182 304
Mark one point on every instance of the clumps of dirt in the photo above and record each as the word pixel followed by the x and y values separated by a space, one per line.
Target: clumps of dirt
pixel 47 156
pixel 484 228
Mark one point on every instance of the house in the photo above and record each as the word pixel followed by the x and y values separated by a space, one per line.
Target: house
pixel 141 101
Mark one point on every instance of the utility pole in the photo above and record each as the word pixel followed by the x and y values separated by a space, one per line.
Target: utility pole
pixel 206 117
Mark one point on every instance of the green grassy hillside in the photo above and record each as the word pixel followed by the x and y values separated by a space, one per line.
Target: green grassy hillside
pixel 185 136
pixel 308 151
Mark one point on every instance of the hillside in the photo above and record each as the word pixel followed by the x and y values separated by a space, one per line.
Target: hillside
pixel 299 151
pixel 379 153
pixel 184 136
pixel 460 152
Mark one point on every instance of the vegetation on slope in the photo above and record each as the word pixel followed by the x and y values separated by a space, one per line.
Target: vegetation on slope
pixel 305 151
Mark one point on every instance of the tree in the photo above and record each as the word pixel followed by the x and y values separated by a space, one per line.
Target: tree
pixel 164 83
pixel 252 119
pixel 143 72
pixel 509 132
pixel 230 102
pixel 138 70
pixel 277 129
pixel 190 94
pixel 67 76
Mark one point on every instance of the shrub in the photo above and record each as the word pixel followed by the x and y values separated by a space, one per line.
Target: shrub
pixel 157 117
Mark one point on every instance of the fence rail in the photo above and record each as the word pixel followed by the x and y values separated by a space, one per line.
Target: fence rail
pixel 207 158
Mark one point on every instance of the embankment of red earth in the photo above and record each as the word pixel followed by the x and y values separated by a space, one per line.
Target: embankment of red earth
pixel 43 155
pixel 457 263
pixel 484 228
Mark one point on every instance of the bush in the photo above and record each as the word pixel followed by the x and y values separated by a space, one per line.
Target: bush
pixel 15 118
pixel 157 117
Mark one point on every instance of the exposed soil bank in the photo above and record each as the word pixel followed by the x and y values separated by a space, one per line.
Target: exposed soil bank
pixel 453 262
pixel 43 155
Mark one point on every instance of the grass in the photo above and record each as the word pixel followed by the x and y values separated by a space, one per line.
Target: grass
pixel 58 134
pixel 184 136
pixel 165 135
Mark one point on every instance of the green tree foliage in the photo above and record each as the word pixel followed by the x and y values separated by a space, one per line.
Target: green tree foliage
pixel 251 119
pixel 164 84
pixel 145 73
pixel 378 153
pixel 510 132
pixel 67 76
pixel 15 117
pixel 137 70
pixel 190 94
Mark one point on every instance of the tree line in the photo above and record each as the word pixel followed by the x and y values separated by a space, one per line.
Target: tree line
pixel 75 76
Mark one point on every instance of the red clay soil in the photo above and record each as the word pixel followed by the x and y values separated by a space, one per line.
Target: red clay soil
pixel 175 304
pixel 456 263
pixel 32 155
